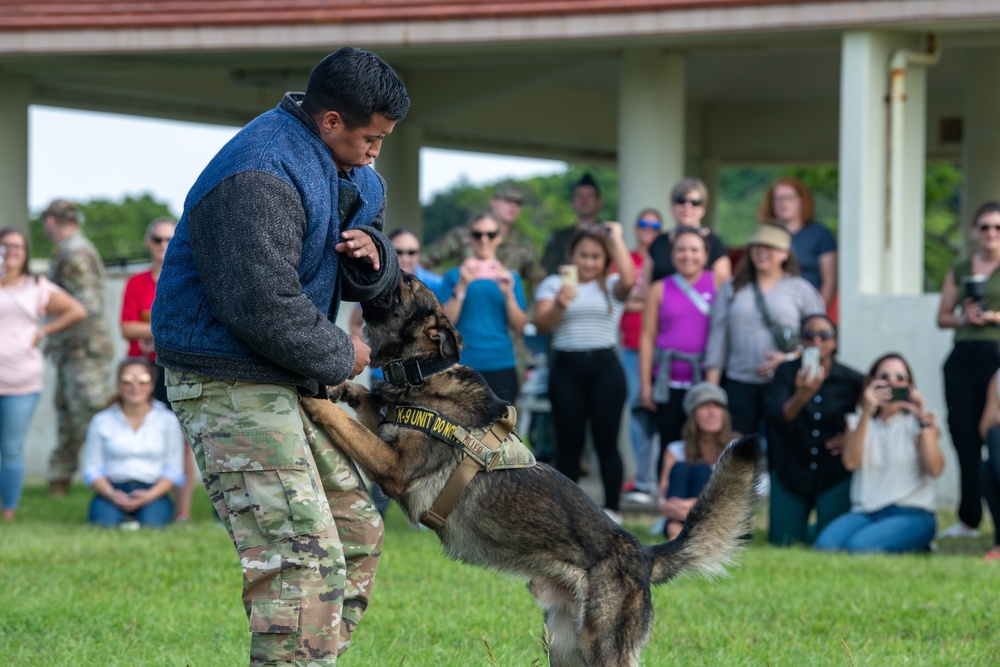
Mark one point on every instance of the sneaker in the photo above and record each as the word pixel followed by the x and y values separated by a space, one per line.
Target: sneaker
pixel 992 554
pixel 959 530
pixel 629 486
pixel 639 498
pixel 129 525
pixel 615 516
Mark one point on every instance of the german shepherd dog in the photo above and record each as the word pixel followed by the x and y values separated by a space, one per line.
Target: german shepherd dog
pixel 591 577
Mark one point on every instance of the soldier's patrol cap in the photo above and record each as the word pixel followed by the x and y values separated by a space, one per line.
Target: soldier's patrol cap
pixel 62 210
pixel 509 192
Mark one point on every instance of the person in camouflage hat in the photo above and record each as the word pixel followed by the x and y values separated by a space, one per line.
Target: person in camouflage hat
pixel 284 222
pixel 516 250
pixel 82 354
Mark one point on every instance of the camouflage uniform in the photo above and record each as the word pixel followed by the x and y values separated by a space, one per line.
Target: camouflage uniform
pixel 276 481
pixel 516 251
pixel 81 354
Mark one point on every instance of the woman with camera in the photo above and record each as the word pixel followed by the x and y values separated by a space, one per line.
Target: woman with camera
pixel 806 407
pixel 892 447
pixel 970 300
pixel 755 323
pixel 486 302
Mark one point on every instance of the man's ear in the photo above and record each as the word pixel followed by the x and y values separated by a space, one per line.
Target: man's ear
pixel 449 341
pixel 328 120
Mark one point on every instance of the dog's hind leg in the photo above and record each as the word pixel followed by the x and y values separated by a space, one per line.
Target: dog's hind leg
pixel 617 617
pixel 562 622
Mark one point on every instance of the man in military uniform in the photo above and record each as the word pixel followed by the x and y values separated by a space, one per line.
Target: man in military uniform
pixel 516 251
pixel 586 204
pixel 83 353
pixel 284 222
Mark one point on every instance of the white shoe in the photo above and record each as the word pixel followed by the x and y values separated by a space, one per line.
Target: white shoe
pixel 639 498
pixel 959 529
pixel 615 516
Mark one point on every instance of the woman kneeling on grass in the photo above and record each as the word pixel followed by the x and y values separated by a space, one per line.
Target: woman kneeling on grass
pixel 892 445
pixel 134 454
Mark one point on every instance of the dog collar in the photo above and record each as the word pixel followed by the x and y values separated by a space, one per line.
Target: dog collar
pixel 400 372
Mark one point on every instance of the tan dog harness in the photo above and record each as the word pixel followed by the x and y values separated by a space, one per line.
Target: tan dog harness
pixel 498 447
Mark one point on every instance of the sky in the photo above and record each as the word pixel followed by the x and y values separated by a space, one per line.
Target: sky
pixel 85 155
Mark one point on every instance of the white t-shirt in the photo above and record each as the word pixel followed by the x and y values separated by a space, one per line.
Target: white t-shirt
pixel 587 323
pixel 891 470
pixel 117 451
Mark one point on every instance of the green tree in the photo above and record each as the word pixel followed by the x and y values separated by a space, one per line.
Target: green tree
pixel 116 228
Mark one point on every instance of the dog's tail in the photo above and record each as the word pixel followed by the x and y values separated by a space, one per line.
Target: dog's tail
pixel 720 520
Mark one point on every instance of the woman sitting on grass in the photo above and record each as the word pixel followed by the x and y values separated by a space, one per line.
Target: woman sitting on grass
pixel 688 463
pixel 892 447
pixel 134 454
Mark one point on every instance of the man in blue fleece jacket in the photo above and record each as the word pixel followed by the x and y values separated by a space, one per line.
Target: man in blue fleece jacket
pixel 283 223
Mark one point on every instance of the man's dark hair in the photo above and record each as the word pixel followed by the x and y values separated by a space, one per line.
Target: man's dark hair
pixel 587 181
pixel 358 85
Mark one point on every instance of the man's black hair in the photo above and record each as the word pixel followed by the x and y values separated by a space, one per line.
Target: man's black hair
pixel 588 180
pixel 358 85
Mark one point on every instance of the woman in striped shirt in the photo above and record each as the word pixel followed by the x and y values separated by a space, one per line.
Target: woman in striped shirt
pixel 586 380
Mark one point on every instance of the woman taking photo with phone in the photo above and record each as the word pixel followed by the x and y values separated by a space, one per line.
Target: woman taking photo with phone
pixel 586 381
pixel 486 302
pixel 892 448
pixel 970 301
pixel 806 406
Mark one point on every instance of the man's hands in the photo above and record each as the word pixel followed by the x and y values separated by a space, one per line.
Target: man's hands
pixel 359 245
pixel 362 355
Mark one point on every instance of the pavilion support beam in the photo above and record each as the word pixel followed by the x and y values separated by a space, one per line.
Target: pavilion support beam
pixel 15 96
pixel 651 131
pixel 399 164
pixel 980 134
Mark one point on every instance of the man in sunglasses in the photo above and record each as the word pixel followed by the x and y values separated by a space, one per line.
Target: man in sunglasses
pixel 83 353
pixel 515 251
pixel 587 204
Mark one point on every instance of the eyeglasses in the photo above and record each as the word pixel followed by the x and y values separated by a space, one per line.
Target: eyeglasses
pixel 898 377
pixel 648 224
pixel 680 201
pixel 160 239
pixel 407 253
pixel 987 228
pixel 809 334
pixel 519 202
pixel 12 246
pixel 784 197
pixel 479 235
pixel 143 378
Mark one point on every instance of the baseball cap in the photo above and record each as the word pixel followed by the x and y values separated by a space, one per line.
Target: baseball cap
pixel 772 236
pixel 509 192
pixel 701 393
pixel 62 209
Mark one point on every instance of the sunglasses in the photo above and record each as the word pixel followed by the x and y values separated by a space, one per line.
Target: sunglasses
pixel 808 334
pixel 986 228
pixel 680 201
pixel 160 239
pixel 144 378
pixel 479 235
pixel 898 377
pixel 648 224
pixel 407 253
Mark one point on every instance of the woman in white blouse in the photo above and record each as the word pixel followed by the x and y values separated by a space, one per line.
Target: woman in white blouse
pixel 134 454
pixel 892 447
pixel 582 309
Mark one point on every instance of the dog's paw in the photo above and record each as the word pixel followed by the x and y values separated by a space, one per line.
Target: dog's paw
pixel 347 392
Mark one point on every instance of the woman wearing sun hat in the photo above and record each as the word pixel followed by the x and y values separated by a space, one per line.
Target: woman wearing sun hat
pixel 755 323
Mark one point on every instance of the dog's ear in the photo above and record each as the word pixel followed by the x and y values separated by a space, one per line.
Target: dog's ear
pixel 448 339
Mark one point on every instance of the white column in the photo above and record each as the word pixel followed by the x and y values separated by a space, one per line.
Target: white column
pixel 399 164
pixel 651 98
pixel 15 95
pixel 980 133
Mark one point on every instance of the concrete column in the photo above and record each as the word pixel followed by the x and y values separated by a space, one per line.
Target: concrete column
pixel 980 133
pixel 399 164
pixel 15 95
pixel 651 99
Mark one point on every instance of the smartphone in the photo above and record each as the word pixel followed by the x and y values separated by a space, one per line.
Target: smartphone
pixel 900 394
pixel 810 362
pixel 569 274
pixel 485 269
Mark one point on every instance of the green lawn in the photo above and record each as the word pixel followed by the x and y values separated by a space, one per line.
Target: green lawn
pixel 76 595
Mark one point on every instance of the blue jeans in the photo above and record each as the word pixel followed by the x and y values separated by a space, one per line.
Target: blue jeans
pixel 643 450
pixel 891 530
pixel 156 514
pixel 15 418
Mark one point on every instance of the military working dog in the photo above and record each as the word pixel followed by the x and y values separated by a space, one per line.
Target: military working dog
pixel 590 576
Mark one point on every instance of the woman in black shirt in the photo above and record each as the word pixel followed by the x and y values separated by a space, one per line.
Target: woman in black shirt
pixel 688 203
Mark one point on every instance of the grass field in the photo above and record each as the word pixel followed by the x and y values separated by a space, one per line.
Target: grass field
pixel 77 595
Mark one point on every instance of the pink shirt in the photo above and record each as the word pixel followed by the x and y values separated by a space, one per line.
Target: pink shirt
pixel 22 312
pixel 682 326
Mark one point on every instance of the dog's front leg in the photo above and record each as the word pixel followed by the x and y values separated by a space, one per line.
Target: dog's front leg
pixel 379 461
pixel 360 399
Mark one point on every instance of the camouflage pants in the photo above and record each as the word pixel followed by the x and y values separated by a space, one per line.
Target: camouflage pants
pixel 81 391
pixel 306 531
